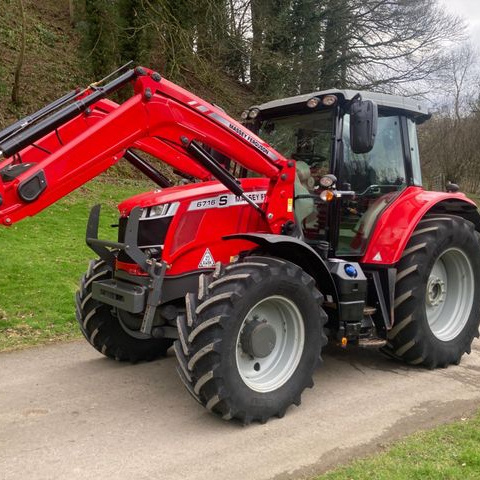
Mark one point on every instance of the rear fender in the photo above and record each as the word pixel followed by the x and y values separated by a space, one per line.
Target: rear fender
pixel 295 251
pixel 396 224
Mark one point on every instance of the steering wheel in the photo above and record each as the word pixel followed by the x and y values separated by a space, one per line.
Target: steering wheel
pixel 377 189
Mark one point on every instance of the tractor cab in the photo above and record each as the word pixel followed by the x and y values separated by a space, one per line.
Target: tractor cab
pixel 355 152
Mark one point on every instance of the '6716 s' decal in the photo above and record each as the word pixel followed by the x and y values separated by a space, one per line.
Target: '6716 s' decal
pixel 226 200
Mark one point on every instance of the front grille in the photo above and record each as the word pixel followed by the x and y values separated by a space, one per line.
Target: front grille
pixel 151 233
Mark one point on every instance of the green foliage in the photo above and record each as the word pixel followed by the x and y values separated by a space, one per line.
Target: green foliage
pixel 190 42
pixel 134 38
pixel 51 66
pixel 449 452
pixel 273 48
pixel 45 35
pixel 101 36
pixel 7 35
pixel 3 84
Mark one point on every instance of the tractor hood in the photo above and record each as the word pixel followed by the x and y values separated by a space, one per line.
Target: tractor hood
pixel 187 192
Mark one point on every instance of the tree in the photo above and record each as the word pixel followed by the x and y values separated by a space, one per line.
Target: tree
pixel 278 47
pixel 450 142
pixel 336 56
pixel 101 39
pixel 461 78
pixel 21 55
pixel 71 11
pixel 387 44
pixel 273 50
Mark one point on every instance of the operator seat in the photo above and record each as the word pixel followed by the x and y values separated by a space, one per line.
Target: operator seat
pixel 304 182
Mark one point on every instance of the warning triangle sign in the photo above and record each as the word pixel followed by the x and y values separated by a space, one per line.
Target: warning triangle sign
pixel 207 260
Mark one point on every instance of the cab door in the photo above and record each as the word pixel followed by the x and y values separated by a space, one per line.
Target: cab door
pixel 376 177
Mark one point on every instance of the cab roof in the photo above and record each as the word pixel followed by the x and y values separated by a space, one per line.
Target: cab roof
pixel 383 100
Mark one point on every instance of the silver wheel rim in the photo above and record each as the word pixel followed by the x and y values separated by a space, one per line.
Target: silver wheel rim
pixel 274 370
pixel 449 294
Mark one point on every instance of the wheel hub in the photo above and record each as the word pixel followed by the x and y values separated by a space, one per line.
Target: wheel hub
pixel 270 343
pixel 436 291
pixel 258 338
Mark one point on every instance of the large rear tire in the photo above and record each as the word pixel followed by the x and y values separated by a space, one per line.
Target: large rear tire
pixel 251 339
pixel 102 329
pixel 437 293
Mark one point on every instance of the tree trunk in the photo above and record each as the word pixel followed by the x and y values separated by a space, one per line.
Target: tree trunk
pixel 334 44
pixel 257 42
pixel 309 27
pixel 21 55
pixel 71 9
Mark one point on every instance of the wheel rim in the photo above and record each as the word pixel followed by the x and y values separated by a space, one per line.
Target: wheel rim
pixel 449 294
pixel 268 373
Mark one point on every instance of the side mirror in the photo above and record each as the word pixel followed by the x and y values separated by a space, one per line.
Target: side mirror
pixel 363 125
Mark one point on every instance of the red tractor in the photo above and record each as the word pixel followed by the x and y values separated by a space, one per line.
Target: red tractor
pixel 266 253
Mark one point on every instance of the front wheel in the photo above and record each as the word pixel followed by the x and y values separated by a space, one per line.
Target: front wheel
pixel 250 341
pixel 102 328
pixel 437 293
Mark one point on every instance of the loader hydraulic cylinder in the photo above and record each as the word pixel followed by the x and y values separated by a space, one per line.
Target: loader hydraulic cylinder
pixel 23 123
pixel 23 139
pixel 147 169
pixel 220 173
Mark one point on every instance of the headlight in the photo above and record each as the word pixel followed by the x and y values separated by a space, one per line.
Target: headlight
pixel 159 211
pixel 329 100
pixel 328 180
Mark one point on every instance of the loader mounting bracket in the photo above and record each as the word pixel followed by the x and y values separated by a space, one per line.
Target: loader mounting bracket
pixel 116 294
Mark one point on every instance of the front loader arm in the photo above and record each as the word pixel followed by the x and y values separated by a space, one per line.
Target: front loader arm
pixel 160 118
pixel 173 157
pixel 154 146
pixel 74 164
pixel 76 152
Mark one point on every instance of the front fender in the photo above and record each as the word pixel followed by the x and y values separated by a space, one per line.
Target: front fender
pixel 396 224
pixel 295 251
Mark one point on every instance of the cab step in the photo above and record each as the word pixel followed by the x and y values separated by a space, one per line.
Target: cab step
pixel 371 342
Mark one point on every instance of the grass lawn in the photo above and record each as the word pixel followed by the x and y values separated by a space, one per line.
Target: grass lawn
pixel 43 258
pixel 449 452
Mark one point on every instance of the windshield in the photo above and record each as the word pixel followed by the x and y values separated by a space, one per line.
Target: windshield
pixel 306 137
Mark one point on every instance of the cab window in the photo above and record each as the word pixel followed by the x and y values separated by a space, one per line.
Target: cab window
pixel 376 178
pixel 413 140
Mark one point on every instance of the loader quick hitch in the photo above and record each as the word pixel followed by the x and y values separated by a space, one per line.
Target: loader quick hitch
pixel 134 296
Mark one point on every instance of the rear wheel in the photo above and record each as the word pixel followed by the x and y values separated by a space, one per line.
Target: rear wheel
pixel 250 340
pixel 102 328
pixel 437 302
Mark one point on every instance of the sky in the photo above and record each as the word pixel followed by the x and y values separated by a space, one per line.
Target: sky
pixel 470 11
